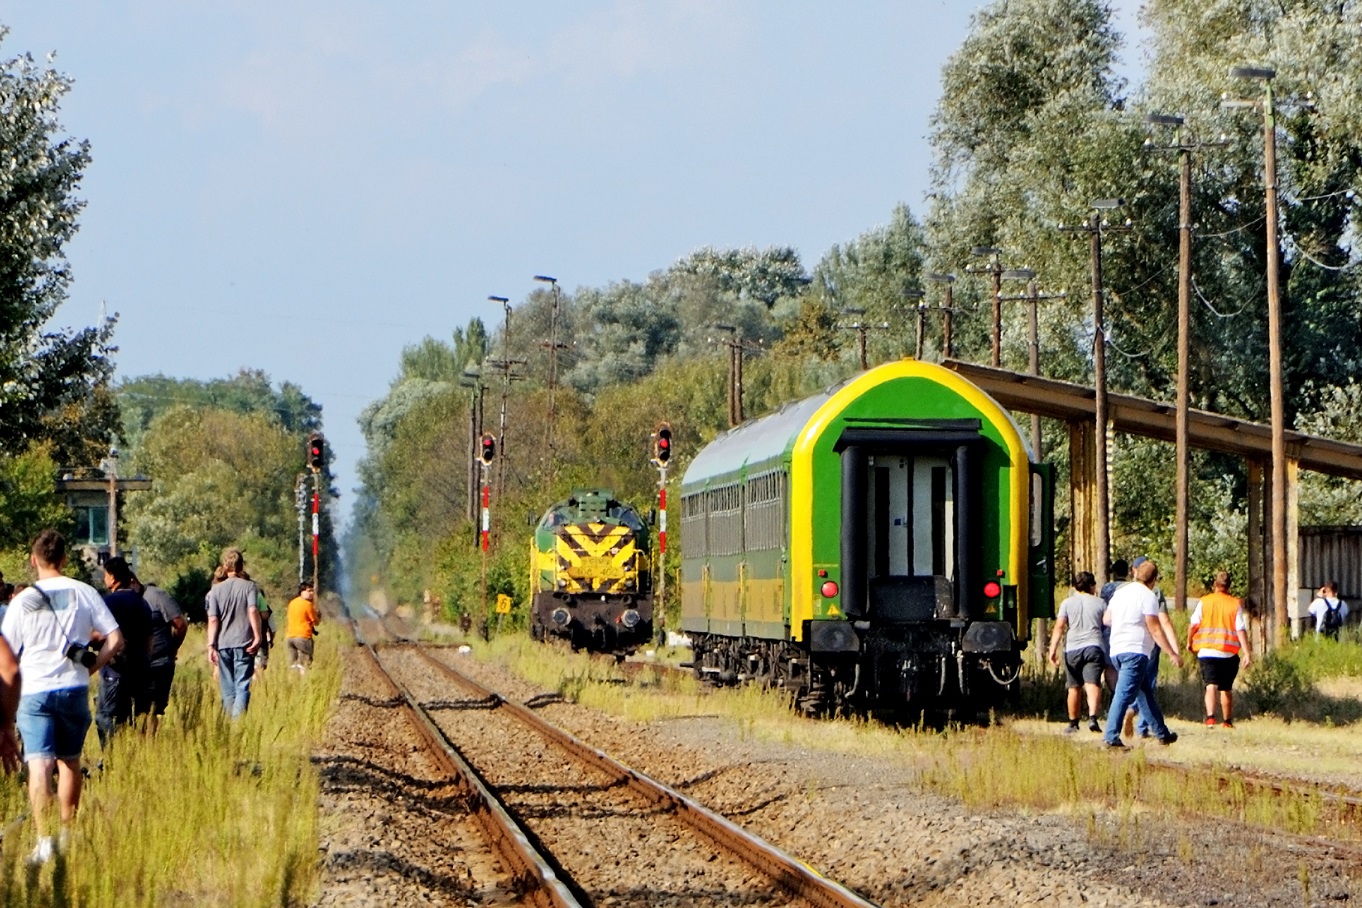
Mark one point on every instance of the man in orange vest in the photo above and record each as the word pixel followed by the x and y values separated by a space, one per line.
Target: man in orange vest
pixel 1219 636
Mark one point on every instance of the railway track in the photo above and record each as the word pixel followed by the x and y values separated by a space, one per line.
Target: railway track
pixel 1336 809
pixel 612 835
pixel 533 876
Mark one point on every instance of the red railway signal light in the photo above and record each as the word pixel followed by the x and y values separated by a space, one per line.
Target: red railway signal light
pixel 489 449
pixel 316 451
pixel 662 443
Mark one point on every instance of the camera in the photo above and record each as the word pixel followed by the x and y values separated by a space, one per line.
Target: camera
pixel 82 654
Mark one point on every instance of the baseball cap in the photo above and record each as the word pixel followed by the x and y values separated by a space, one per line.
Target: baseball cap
pixel 1138 561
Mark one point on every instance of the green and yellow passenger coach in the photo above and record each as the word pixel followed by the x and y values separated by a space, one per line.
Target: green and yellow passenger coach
pixel 884 543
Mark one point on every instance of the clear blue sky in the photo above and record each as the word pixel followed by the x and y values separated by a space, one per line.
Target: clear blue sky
pixel 308 187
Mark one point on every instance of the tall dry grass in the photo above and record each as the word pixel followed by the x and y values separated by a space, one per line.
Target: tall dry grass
pixel 207 812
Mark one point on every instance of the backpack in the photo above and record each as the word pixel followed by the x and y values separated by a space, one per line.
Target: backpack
pixel 1332 619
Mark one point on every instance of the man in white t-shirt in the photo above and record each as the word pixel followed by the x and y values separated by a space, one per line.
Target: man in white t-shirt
pixel 1133 617
pixel 50 627
pixel 1329 611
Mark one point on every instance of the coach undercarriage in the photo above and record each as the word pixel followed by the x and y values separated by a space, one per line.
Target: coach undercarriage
pixel 903 668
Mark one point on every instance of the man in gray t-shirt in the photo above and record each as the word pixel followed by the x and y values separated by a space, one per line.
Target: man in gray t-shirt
pixel 233 632
pixel 1085 648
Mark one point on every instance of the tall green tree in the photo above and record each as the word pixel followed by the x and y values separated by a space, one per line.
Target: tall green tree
pixel 53 381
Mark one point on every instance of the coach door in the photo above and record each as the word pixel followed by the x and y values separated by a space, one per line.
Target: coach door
pixel 904 534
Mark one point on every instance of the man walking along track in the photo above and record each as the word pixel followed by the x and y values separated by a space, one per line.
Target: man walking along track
pixel 234 633
pixel 1133 617
pixel 50 626
pixel 1218 634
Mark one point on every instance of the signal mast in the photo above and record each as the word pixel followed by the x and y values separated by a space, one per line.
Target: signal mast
pixel 662 454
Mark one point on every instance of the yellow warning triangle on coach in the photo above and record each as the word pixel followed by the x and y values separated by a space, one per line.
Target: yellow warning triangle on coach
pixel 833 613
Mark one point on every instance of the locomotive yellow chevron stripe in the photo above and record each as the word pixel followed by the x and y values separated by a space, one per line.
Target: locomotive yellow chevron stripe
pixel 586 562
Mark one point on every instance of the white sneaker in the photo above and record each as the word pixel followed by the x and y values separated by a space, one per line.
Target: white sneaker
pixel 43 852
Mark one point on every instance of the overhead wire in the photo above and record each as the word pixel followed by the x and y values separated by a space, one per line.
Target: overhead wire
pixel 1207 303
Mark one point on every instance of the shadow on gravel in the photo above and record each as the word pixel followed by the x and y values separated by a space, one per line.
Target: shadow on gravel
pixel 547 699
pixel 389 703
pixel 374 863
pixel 343 773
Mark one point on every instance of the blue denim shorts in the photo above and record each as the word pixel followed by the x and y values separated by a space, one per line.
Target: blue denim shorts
pixel 53 723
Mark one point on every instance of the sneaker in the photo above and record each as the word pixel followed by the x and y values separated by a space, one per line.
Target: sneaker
pixel 1093 726
pixel 1114 745
pixel 1210 722
pixel 1071 729
pixel 1169 738
pixel 43 852
pixel 1228 723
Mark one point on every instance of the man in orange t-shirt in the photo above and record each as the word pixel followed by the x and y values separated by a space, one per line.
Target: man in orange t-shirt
pixel 1219 636
pixel 302 627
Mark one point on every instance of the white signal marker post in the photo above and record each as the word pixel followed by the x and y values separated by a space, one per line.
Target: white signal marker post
pixel 488 454
pixel 662 453
pixel 486 532
pixel 660 606
pixel 316 526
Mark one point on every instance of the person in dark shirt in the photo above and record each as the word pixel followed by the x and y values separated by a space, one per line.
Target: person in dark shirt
pixel 123 679
pixel 168 627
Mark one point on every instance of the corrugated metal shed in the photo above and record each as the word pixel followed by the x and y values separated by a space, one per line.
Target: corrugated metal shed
pixel 1332 553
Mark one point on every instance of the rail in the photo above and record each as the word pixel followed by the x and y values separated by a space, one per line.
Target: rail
pixel 796 877
pixel 534 875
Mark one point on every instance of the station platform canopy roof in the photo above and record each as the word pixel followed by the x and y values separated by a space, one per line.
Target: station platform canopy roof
pixel 1153 419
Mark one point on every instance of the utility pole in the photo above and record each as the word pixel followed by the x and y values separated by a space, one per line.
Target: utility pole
pixel 736 345
pixel 1184 146
pixel 1032 297
pixel 112 463
pixel 947 310
pixel 553 347
pixel 1280 544
pixel 1095 226
pixel 861 330
pixel 995 269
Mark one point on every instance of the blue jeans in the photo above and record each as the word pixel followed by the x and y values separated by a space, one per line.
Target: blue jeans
pixel 53 723
pixel 1151 680
pixel 235 668
pixel 1134 687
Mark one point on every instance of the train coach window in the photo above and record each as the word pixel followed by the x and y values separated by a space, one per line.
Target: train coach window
pixel 763 515
pixel 1037 510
